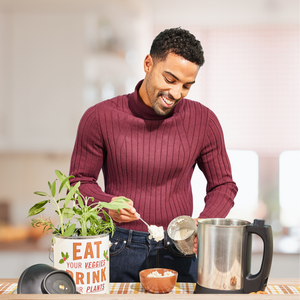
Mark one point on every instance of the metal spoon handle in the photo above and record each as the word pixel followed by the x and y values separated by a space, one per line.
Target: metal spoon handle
pixel 144 222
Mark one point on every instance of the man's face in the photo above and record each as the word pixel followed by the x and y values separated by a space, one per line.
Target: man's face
pixel 167 82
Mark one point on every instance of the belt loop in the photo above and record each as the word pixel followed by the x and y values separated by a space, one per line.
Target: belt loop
pixel 165 239
pixel 129 239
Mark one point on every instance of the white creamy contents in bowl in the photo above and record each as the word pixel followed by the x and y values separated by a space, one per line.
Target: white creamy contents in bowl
pixel 156 274
pixel 182 234
pixel 157 233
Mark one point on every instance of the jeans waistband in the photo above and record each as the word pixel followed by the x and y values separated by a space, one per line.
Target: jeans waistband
pixel 137 236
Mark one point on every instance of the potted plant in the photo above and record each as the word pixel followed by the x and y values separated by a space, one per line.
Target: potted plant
pixel 81 239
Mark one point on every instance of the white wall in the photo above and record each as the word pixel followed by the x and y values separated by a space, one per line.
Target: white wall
pixel 40 79
pixel 43 50
pixel 5 79
pixel 211 13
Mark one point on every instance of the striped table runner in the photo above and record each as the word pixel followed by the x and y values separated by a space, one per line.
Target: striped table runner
pixel 180 288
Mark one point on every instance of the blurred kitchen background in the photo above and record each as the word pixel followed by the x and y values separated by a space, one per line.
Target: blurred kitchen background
pixel 59 57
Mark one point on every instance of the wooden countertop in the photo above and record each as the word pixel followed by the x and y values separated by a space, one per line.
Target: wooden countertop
pixel 273 281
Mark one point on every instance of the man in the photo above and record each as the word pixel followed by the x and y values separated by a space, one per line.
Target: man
pixel 147 143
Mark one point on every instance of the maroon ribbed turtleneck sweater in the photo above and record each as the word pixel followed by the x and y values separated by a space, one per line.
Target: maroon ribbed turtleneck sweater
pixel 150 158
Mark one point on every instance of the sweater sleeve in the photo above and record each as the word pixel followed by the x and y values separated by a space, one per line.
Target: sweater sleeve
pixel 214 163
pixel 88 156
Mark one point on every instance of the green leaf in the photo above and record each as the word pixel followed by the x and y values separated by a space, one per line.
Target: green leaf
pixel 67 212
pixel 122 199
pixel 114 205
pixel 61 261
pixel 60 175
pixel 106 216
pixel 77 211
pixel 61 199
pixel 80 202
pixel 53 188
pixel 62 254
pixel 94 217
pixel 35 209
pixel 46 224
pixel 71 193
pixel 70 230
pixel 41 193
pixel 113 229
pixel 65 183
pixel 67 255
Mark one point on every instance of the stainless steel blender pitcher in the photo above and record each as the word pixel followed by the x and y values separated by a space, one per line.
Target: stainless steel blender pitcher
pixel 224 256
pixel 184 243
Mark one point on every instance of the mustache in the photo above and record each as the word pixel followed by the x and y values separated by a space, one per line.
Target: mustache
pixel 167 95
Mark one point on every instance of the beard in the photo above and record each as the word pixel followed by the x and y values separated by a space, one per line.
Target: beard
pixel 155 99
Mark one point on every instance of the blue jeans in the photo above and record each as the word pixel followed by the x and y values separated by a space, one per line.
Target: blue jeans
pixel 132 251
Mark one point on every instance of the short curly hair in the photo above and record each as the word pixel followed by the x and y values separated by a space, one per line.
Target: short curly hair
pixel 178 41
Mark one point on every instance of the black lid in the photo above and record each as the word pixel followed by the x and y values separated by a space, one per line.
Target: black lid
pixel 44 279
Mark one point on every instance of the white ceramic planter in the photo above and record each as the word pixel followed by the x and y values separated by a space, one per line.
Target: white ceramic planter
pixel 86 259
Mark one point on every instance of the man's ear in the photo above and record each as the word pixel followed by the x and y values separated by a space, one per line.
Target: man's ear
pixel 148 63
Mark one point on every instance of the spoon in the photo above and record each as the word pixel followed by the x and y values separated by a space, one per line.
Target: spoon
pixel 145 223
pixel 157 233
pixel 148 226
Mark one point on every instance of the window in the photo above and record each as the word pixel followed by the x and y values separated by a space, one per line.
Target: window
pixel 289 188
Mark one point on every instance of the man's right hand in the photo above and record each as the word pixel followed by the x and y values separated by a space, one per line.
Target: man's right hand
pixel 125 215
pixel 195 249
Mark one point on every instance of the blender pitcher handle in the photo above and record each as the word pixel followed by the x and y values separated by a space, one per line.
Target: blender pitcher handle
pixel 258 282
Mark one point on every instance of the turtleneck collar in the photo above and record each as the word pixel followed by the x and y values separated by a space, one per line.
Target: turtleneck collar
pixel 140 109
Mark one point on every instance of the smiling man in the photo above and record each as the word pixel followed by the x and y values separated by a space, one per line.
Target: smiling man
pixel 148 143
pixel 167 81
